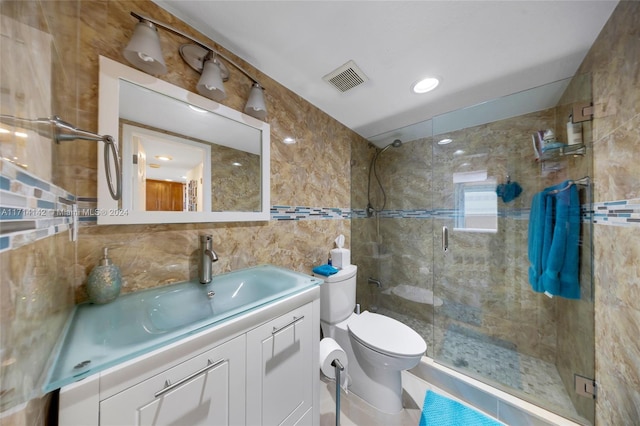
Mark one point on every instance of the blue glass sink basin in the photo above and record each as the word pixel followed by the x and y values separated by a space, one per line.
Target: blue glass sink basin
pixel 182 305
pixel 100 336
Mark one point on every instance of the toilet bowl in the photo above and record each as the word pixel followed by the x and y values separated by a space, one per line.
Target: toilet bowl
pixel 378 348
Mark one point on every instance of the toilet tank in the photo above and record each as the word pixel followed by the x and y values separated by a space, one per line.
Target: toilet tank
pixel 338 295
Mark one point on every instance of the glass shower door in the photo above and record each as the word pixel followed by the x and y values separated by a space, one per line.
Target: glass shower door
pixel 492 326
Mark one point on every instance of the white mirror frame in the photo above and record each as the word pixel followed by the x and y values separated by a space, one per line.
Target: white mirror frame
pixel 108 212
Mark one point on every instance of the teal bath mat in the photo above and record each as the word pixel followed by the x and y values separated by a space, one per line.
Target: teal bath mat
pixel 442 411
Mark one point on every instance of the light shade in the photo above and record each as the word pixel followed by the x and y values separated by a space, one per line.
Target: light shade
pixel 143 50
pixel 210 83
pixel 255 105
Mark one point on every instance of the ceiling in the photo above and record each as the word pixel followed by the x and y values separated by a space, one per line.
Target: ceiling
pixel 480 50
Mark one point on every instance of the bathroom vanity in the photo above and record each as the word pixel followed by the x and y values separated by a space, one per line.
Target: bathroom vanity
pixel 254 367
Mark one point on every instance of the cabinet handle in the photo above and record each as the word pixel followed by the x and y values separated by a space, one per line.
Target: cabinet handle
pixel 445 239
pixel 277 330
pixel 169 386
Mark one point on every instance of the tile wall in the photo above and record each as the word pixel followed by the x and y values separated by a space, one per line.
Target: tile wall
pixel 306 174
pixel 614 62
pixel 310 187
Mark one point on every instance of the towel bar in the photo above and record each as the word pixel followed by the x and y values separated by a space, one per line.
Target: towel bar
pixel 584 181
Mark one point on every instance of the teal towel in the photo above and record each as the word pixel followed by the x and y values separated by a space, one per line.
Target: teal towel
pixel 535 242
pixel 509 191
pixel 554 240
pixel 438 410
pixel 325 270
pixel 562 267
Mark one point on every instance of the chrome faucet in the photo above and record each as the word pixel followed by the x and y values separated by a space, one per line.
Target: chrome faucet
pixel 207 257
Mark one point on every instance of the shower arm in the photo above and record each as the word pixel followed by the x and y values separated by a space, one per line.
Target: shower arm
pixel 61 131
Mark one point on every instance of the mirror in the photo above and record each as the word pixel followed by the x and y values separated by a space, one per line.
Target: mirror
pixel 185 158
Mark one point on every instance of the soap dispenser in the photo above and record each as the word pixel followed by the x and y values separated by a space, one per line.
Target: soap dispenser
pixel 104 281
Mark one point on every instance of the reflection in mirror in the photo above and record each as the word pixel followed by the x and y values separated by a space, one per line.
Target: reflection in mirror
pixel 185 157
pixel 167 172
pixel 232 175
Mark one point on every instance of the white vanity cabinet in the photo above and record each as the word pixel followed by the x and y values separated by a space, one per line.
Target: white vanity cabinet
pixel 260 368
pixel 205 390
pixel 280 369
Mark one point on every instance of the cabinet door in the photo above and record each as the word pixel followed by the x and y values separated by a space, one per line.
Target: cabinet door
pixel 205 390
pixel 280 369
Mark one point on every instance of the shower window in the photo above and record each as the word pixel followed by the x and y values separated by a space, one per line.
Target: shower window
pixel 476 202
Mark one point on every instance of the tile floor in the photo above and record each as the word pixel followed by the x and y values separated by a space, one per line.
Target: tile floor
pixel 354 411
pixel 494 363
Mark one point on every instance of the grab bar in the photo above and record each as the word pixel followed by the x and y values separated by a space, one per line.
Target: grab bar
pixel 61 131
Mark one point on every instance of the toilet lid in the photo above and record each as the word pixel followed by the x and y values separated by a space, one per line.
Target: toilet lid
pixel 386 335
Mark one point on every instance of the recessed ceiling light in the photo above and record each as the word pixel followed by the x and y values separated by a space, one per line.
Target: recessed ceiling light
pixel 4 130
pixel 445 141
pixel 425 85
pixel 236 164
pixel 459 152
pixel 163 158
pixel 154 165
pixel 169 180
pixel 21 134
pixel 289 140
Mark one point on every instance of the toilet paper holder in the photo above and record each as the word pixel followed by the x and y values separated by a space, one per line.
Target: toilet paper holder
pixel 339 367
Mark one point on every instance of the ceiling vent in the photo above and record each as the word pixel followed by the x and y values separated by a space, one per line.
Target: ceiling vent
pixel 346 77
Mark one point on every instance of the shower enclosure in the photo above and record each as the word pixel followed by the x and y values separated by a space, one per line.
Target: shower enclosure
pixel 450 247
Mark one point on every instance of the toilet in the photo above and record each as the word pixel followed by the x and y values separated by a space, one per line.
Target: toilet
pixel 378 348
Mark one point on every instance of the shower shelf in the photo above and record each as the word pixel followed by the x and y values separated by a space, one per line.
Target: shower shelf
pixel 555 153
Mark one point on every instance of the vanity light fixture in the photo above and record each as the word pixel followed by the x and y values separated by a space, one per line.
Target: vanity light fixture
pixel 144 53
pixel 425 85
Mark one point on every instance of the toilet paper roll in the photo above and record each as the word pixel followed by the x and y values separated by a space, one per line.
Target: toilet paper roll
pixel 330 350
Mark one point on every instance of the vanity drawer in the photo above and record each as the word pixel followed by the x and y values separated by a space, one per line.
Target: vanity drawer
pixel 206 389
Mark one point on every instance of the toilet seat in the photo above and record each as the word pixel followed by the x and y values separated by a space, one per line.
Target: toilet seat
pixel 386 335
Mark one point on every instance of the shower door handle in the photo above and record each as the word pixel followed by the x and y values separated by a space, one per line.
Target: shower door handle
pixel 445 239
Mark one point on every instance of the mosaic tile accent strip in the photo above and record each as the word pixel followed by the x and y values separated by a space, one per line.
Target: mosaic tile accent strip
pixel 308 213
pixel 30 208
pixel 517 214
pixel 617 213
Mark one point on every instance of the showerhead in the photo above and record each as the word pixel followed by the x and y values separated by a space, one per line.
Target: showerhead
pixel 396 143
pixel 372 168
